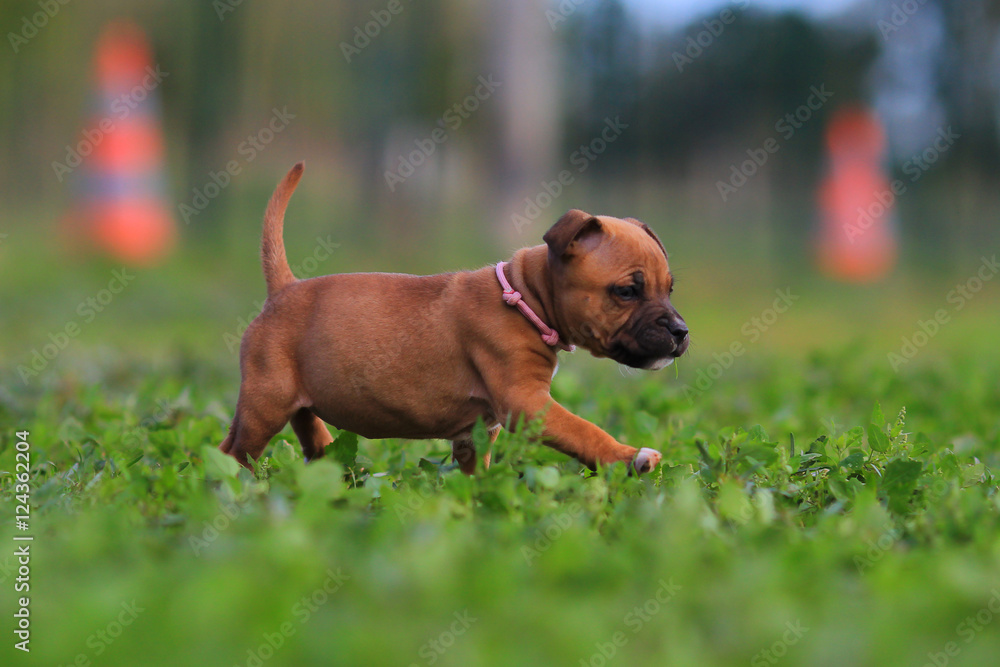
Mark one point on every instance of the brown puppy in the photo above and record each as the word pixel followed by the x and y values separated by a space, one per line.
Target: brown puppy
pixel 400 356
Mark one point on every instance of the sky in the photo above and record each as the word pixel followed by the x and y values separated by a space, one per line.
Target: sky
pixel 676 13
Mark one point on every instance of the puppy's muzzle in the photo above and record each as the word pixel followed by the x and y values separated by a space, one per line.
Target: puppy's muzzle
pixel 677 328
pixel 652 343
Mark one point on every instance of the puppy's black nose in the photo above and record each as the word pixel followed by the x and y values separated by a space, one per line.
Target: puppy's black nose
pixel 676 326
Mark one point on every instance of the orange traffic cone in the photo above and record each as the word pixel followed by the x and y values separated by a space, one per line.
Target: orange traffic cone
pixel 857 242
pixel 123 203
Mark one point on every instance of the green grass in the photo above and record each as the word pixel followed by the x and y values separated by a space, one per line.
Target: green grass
pixel 800 516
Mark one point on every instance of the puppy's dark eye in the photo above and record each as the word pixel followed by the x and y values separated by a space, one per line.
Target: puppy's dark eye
pixel 626 292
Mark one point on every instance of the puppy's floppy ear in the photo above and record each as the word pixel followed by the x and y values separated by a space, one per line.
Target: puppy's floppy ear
pixel 576 232
pixel 646 228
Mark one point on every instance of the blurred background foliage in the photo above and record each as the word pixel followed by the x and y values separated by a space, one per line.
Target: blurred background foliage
pixel 695 93
pixel 694 85
pixel 565 68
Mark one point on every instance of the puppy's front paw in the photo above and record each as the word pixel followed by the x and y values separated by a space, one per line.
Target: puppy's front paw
pixel 646 460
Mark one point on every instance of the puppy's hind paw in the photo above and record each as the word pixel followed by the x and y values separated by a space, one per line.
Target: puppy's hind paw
pixel 646 460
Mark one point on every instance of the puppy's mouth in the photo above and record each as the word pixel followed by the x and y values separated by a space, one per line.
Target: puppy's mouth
pixel 660 364
pixel 650 360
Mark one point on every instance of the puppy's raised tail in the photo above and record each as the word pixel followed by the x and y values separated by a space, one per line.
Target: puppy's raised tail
pixel 272 245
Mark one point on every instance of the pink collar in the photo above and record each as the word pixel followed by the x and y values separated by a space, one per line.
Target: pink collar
pixel 513 298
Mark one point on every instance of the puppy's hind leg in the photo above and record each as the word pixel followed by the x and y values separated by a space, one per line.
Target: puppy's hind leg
pixel 227 442
pixel 312 432
pixel 255 423
pixel 464 454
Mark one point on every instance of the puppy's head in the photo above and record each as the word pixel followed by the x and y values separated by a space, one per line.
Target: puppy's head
pixel 612 287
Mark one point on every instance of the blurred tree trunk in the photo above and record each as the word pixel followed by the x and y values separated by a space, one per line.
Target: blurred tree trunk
pixel 524 60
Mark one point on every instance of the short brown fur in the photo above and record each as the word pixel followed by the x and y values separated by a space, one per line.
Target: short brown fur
pixel 391 355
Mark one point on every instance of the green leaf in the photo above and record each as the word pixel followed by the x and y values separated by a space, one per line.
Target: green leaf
pixel 844 490
pixel 973 474
pixel 733 503
pixel 284 453
pixel 759 453
pixel 854 461
pixel 877 439
pixel 706 457
pixel 321 480
pixel 428 465
pixel 898 481
pixel 877 418
pixel 345 448
pixel 810 461
pixel 217 464
pixel 708 467
pixel 481 438
pixel 854 436
pixel 544 478
pixel 818 445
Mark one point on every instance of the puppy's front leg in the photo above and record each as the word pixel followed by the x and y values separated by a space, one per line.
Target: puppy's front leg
pixel 576 436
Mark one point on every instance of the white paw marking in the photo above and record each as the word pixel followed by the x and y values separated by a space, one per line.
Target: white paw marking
pixel 646 460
